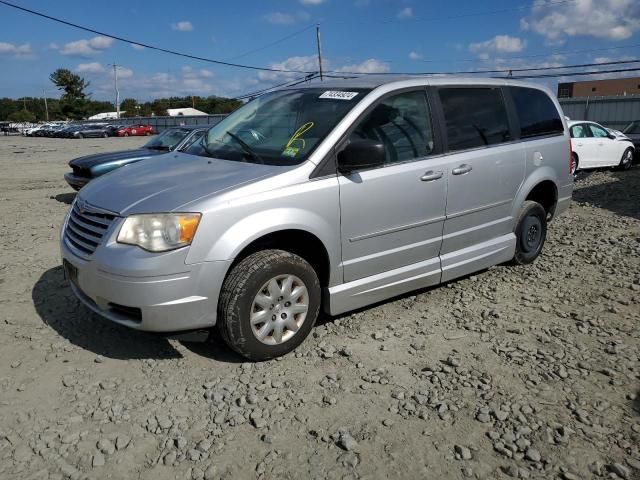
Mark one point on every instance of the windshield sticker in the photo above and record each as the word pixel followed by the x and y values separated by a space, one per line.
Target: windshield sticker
pixel 337 95
pixel 296 137
pixel 290 152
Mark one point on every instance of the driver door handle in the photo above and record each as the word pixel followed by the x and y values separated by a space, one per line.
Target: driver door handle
pixel 431 175
pixel 462 169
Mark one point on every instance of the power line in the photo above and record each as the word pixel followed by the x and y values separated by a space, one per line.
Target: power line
pixel 151 47
pixel 538 55
pixel 462 15
pixel 289 83
pixel 506 70
pixel 276 42
pixel 576 74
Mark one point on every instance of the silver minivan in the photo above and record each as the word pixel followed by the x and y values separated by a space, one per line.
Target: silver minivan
pixel 332 195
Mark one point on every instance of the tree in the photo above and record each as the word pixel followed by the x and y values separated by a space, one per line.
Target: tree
pixel 73 85
pixel 22 116
pixel 128 106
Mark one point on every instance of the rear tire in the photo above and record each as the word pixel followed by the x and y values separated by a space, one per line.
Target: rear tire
pixel 531 233
pixel 251 329
pixel 627 159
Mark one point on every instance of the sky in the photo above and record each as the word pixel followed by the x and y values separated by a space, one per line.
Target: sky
pixel 357 36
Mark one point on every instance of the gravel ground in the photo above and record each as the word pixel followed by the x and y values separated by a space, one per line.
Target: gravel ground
pixel 516 372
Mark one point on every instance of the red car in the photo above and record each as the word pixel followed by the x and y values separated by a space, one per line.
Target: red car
pixel 135 130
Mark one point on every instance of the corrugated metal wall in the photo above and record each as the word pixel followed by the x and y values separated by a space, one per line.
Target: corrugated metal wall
pixel 613 112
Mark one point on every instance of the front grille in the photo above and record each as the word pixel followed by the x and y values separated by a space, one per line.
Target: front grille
pixel 86 227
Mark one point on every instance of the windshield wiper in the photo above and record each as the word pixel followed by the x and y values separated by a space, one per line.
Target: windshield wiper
pixel 247 149
pixel 159 147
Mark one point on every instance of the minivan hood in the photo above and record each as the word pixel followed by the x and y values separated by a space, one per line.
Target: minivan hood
pixel 89 161
pixel 169 182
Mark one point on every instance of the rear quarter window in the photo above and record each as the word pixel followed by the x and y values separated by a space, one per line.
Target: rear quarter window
pixel 536 112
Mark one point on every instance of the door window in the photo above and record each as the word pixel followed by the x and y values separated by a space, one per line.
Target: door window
pixel 598 132
pixel 475 117
pixel 579 131
pixel 402 124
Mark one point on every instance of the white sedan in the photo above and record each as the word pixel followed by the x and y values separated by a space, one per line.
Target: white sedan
pixel 594 146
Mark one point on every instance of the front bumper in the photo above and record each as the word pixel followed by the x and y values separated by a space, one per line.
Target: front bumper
pixel 123 284
pixel 76 182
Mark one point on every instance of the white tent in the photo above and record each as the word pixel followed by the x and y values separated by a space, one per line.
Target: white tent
pixel 174 112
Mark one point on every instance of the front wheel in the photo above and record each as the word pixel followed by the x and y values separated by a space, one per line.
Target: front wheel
pixel 627 159
pixel 268 304
pixel 531 233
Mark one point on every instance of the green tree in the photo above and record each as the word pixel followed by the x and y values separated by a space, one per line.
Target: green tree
pixel 22 116
pixel 73 85
pixel 128 106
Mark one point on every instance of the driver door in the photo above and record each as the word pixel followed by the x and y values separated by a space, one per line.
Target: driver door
pixel 392 216
pixel 606 148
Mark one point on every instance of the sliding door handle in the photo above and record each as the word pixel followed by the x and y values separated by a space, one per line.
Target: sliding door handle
pixel 431 175
pixel 462 169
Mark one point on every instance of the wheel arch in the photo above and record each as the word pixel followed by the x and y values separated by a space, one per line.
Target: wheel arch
pixel 541 188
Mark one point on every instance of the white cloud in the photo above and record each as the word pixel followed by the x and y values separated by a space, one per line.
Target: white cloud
pixel 301 63
pixel 609 19
pixel 413 55
pixel 498 44
pixel 280 18
pixel 123 72
pixel 137 47
pixel 368 66
pixel 84 47
pixel 406 12
pixel 311 2
pixel 93 67
pixel 183 26
pixel 18 51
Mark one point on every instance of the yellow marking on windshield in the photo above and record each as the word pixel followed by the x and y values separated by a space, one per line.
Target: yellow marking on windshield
pixel 298 133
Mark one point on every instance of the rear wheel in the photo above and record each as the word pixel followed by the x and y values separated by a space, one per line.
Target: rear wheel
pixel 627 159
pixel 126 134
pixel 531 233
pixel 268 304
pixel 105 135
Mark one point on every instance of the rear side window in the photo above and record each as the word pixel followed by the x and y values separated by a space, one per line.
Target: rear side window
pixel 475 117
pixel 537 113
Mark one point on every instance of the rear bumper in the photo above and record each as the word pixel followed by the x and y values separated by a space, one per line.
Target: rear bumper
pixel 172 302
pixel 76 182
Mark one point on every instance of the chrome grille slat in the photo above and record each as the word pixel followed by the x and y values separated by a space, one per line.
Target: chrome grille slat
pixel 97 231
pixel 86 228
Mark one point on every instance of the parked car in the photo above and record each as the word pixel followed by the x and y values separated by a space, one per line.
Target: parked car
pixel 112 129
pixel 593 146
pixel 632 131
pixel 50 130
pixel 335 195
pixel 85 169
pixel 133 130
pixel 87 131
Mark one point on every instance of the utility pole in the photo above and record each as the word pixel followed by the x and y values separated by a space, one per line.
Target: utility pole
pixel 319 49
pixel 46 107
pixel 115 85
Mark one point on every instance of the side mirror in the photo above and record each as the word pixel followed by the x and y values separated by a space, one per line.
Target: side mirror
pixel 612 136
pixel 360 155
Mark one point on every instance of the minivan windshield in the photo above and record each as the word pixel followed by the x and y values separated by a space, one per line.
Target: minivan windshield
pixel 279 128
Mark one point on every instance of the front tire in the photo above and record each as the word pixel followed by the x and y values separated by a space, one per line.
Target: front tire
pixel 531 233
pixel 627 159
pixel 268 304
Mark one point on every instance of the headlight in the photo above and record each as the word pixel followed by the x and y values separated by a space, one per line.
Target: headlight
pixel 158 232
